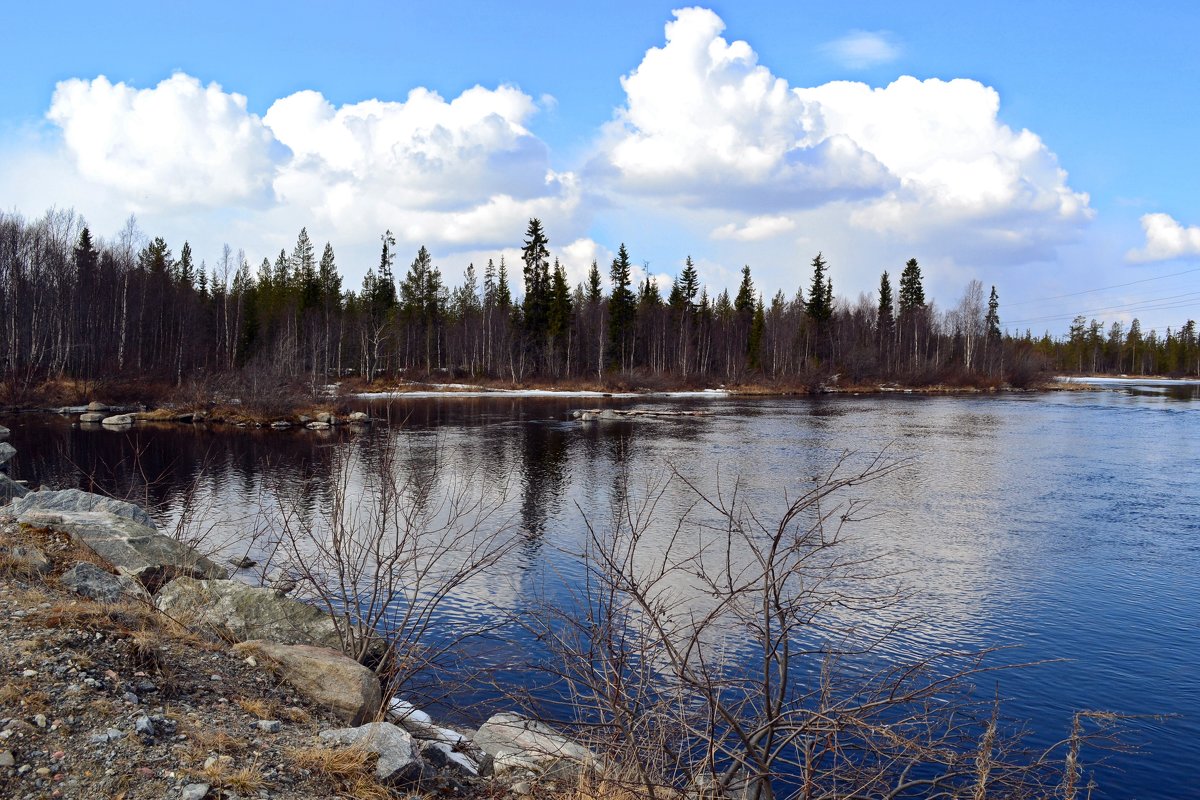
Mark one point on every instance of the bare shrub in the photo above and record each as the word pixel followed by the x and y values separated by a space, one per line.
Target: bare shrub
pixel 722 654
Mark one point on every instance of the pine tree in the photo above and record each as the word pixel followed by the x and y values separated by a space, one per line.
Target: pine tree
pixel 744 303
pixel 758 325
pixel 621 310
pixel 304 270
pixel 689 282
pixel 503 293
pixel 329 280
pixel 912 294
pixel 185 270
pixel 560 303
pixel 536 256
pixel 595 290
pixel 885 318
pixel 820 295
pixel 992 321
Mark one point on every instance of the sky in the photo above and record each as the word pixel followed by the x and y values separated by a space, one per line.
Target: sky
pixel 1048 149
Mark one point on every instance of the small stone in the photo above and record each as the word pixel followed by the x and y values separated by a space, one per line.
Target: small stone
pixel 29 673
pixel 131 698
pixel 194 791
pixel 520 788
pixel 215 677
pixel 7 759
pixel 269 725
pixel 144 726
pixel 39 720
pixel 42 772
pixel 245 562
pixel 252 661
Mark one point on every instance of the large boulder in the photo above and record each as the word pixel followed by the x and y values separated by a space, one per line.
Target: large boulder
pixel 519 743
pixel 7 451
pixel 10 489
pixel 399 757
pixel 134 549
pixel 118 420
pixel 104 587
pixel 96 405
pixel 241 612
pixel 76 500
pixel 93 416
pixel 323 675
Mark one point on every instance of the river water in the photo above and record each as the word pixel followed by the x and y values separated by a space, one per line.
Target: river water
pixel 1066 525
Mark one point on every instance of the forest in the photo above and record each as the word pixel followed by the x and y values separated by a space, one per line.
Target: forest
pixel 130 310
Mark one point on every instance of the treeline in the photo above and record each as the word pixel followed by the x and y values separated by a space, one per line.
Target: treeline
pixel 130 309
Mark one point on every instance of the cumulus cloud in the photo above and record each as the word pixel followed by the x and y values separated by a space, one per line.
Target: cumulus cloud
pixel 707 126
pixel 755 228
pixel 1166 239
pixel 863 49
pixel 178 144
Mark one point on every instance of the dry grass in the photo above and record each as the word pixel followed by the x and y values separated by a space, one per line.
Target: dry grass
pixel 260 707
pixel 350 770
pixel 240 780
pixel 17 694
pixel 206 741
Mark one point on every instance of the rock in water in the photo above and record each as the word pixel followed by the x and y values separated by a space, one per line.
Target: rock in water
pixel 245 612
pixel 118 420
pixel 7 451
pixel 93 416
pixel 399 759
pixel 324 676
pixel 96 405
pixel 91 581
pixel 4 431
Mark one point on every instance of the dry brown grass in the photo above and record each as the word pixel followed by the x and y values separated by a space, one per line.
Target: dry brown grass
pixel 206 741
pixel 17 694
pixel 261 707
pixel 350 770
pixel 240 780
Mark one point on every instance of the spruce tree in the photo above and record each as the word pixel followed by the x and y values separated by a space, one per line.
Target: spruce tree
pixel 689 281
pixel 536 256
pixel 992 321
pixel 885 318
pixel 595 290
pixel 912 293
pixel 744 303
pixel 820 295
pixel 621 309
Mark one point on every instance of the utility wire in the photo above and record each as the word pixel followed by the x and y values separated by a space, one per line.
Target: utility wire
pixel 1102 288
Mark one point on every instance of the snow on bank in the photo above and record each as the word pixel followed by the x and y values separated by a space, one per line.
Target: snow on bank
pixel 443 390
pixel 1124 381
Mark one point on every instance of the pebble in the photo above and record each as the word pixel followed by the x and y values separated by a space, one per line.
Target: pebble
pixel 29 673
pixel 39 720
pixel 269 725
pixel 143 726
pixel 7 759
pixel 194 791
pixel 131 698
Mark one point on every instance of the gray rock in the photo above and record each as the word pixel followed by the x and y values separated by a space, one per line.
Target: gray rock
pixel 7 759
pixel 194 791
pixel 7 451
pixel 243 562
pixel 90 581
pixel 244 612
pixel 326 417
pixel 519 743
pixel 444 757
pixel 93 416
pixel 359 418
pixel 269 725
pixel 26 559
pixel 135 550
pixel 281 424
pixel 324 676
pixel 77 500
pixel 110 735
pixel 399 759
pixel 318 426
pixel 10 489
pixel 117 420
pixel 143 726
pixel 96 405
pixel 4 431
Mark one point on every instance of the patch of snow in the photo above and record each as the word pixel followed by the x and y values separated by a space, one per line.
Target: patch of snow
pixel 1105 381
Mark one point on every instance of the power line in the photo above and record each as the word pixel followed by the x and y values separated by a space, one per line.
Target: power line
pixel 1102 288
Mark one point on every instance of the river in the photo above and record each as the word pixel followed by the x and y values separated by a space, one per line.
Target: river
pixel 1064 524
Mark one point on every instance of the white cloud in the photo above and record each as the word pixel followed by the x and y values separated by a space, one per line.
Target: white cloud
pixel 1166 239
pixel 708 127
pixel 863 49
pixel 577 258
pixel 705 125
pixel 755 228
pixel 178 144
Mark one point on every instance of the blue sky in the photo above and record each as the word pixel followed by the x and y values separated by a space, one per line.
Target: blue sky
pixel 702 158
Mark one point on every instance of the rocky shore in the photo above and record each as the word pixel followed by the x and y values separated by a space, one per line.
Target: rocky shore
pixel 132 666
